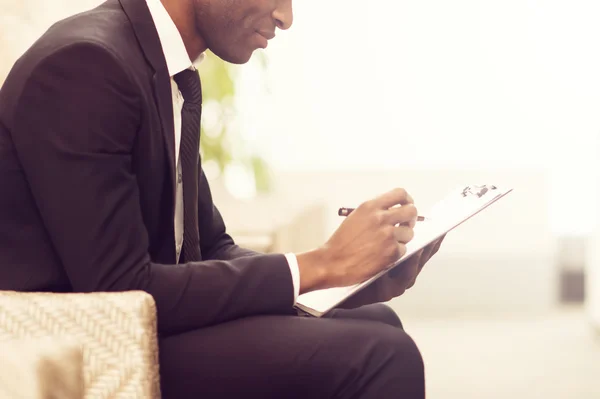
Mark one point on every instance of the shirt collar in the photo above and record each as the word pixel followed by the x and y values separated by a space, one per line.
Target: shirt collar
pixel 174 50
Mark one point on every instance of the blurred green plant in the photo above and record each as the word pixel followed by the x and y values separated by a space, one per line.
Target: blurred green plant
pixel 221 142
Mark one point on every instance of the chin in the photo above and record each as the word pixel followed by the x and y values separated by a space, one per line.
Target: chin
pixel 234 57
pixel 239 60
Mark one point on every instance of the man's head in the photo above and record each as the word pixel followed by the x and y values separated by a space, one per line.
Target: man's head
pixel 232 29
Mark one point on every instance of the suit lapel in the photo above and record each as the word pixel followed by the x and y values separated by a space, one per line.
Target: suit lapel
pixel 145 31
pixel 164 101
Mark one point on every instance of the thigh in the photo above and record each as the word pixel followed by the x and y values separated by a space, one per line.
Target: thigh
pixel 377 312
pixel 289 357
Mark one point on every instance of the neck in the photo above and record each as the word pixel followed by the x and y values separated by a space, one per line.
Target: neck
pixel 183 15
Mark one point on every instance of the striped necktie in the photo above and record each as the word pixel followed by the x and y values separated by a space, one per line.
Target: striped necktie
pixel 189 153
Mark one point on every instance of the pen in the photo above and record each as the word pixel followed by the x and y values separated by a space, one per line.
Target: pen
pixel 348 211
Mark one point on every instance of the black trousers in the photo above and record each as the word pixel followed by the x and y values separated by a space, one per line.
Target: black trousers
pixel 359 353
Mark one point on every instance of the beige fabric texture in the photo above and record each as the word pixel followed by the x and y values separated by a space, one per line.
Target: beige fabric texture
pixel 114 333
pixel 41 369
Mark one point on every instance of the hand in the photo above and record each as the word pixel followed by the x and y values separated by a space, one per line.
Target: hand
pixel 396 281
pixel 368 241
pixel 425 254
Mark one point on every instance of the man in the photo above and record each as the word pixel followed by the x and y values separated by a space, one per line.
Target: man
pixel 103 190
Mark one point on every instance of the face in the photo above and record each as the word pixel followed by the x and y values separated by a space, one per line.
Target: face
pixel 233 29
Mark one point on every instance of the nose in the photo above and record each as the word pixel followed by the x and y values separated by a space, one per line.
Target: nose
pixel 283 14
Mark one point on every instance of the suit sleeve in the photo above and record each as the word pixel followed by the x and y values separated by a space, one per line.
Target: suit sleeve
pixel 215 243
pixel 75 125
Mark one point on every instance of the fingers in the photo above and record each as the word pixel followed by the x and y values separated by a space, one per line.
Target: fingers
pixel 432 249
pixel 407 266
pixel 403 276
pixel 398 196
pixel 428 251
pixel 394 207
pixel 403 234
pixel 410 285
pixel 394 252
pixel 405 214
pixel 426 255
pixel 388 288
pixel 437 246
pixel 416 267
pixel 392 289
pixel 401 250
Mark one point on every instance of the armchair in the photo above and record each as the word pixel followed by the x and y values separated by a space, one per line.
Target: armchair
pixel 97 345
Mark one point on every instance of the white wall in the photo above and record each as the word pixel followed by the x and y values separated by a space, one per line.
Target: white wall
pixel 389 84
pixel 592 286
pixel 439 84
pixel 593 283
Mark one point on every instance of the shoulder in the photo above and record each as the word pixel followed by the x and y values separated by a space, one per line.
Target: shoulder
pixel 106 29
pixel 99 43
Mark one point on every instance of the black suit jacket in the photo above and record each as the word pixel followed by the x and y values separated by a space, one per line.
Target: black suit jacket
pixel 87 180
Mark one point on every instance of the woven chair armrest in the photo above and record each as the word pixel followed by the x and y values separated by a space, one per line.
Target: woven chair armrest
pixel 115 331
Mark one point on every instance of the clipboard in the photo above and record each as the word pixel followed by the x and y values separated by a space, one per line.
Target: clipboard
pixel 451 211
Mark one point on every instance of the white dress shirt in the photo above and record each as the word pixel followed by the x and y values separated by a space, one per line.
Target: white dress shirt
pixel 178 60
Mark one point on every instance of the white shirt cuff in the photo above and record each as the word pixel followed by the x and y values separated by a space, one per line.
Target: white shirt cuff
pixel 293 264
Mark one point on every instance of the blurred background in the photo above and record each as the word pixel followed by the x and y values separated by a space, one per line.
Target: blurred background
pixel 360 97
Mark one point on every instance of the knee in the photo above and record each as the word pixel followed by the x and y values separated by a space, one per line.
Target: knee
pixel 409 369
pixel 404 363
pixel 391 365
pixel 386 315
pixel 400 346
